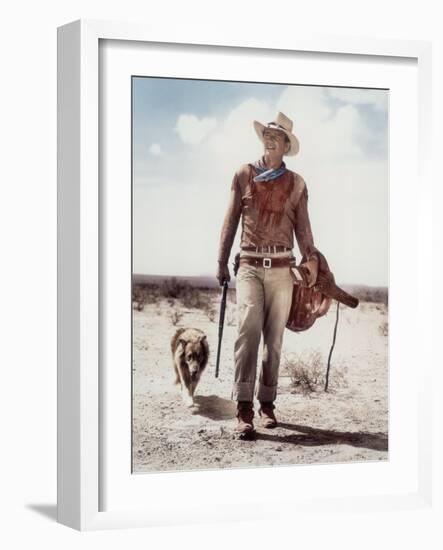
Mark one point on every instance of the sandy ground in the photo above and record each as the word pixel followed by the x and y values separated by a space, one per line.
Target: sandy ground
pixel 349 423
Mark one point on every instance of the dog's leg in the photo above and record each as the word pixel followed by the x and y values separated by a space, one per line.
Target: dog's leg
pixel 193 387
pixel 196 382
pixel 177 375
pixel 180 379
pixel 186 394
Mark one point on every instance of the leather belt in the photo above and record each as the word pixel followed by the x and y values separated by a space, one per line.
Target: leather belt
pixel 267 249
pixel 267 263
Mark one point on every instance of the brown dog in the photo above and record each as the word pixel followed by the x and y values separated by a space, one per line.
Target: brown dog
pixel 190 353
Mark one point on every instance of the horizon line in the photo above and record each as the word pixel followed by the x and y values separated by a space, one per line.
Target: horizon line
pixel 386 286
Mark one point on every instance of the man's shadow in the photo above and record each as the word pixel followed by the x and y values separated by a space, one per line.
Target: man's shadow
pixel 308 436
pixel 217 408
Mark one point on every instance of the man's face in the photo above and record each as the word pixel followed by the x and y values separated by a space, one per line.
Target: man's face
pixel 275 142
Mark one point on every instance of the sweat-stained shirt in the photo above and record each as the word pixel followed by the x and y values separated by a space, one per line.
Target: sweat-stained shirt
pixel 271 213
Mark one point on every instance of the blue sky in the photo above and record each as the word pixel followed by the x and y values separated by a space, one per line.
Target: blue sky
pixel 189 137
pixel 159 101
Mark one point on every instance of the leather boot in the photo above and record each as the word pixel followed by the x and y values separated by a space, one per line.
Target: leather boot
pixel 267 415
pixel 245 414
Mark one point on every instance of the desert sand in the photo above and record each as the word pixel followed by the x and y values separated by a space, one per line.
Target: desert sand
pixel 349 423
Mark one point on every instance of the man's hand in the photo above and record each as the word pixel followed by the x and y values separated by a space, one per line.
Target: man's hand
pixel 306 273
pixel 311 267
pixel 223 273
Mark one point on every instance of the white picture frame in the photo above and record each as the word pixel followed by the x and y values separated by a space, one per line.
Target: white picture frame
pixel 80 367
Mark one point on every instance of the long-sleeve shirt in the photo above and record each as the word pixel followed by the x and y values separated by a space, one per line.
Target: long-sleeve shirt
pixel 271 212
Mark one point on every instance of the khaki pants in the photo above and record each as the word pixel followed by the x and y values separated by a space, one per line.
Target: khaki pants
pixel 263 305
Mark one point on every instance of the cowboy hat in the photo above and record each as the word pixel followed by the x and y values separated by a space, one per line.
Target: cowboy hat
pixel 283 123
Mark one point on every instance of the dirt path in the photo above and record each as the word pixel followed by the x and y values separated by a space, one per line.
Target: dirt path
pixel 350 423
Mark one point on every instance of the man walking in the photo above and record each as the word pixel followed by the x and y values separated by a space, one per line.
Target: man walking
pixel 272 202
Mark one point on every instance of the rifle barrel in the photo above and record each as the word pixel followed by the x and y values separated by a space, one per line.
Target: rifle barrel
pixel 220 325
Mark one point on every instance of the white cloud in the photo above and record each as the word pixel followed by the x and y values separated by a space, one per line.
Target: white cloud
pixel 323 132
pixel 377 98
pixel 304 103
pixel 193 130
pixel 235 141
pixel 155 149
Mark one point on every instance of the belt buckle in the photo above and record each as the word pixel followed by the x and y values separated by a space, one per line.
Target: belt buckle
pixel 267 263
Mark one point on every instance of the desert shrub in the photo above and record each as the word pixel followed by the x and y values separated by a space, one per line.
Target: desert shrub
pixel 307 372
pixel 175 316
pixel 177 292
pixel 370 294
pixel 194 298
pixel 383 328
pixel 143 294
pixel 173 288
pixel 138 298
pixel 190 296
pixel 210 312
pixel 213 314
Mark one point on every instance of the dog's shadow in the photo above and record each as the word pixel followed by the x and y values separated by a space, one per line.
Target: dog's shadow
pixel 214 407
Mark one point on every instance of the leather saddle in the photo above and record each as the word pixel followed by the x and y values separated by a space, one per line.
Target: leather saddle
pixel 310 303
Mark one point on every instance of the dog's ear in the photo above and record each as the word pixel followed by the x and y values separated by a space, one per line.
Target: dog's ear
pixel 204 343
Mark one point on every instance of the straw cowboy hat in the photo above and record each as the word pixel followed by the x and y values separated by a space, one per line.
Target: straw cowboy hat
pixel 283 123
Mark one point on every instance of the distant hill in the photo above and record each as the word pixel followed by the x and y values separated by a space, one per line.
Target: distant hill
pixel 364 293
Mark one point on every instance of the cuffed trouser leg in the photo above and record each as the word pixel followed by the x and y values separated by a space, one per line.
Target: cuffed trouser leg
pixel 278 287
pixel 250 311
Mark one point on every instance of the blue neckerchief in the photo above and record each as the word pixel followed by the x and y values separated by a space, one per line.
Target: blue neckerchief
pixel 267 174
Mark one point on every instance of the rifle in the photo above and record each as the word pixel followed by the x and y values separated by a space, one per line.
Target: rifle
pixel 327 286
pixel 220 324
